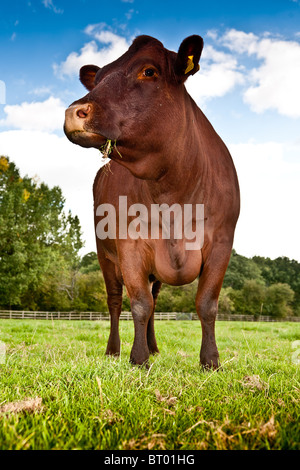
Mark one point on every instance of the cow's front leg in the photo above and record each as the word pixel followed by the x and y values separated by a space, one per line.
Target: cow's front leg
pixel 138 287
pixel 141 309
pixel 210 283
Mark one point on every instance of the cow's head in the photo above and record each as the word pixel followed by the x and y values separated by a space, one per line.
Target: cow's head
pixel 137 102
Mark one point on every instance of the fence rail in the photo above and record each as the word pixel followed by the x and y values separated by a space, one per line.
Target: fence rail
pixel 96 316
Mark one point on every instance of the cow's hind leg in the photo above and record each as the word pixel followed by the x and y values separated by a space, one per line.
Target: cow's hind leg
pixel 151 340
pixel 210 283
pixel 114 301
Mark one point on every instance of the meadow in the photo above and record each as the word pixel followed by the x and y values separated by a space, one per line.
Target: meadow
pixel 59 391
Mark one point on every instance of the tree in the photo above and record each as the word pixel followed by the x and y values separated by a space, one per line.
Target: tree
pixel 278 300
pixel 90 292
pixel 239 270
pixel 89 262
pixel 36 236
pixel 281 270
pixel 253 294
pixel 177 299
pixel 226 303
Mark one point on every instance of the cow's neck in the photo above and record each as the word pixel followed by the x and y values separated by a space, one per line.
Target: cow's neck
pixel 177 180
pixel 179 166
pixel 185 169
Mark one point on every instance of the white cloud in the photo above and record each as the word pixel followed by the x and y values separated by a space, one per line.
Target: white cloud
pixel 49 4
pixel 218 75
pixel 275 83
pixel 89 54
pixel 269 182
pixel 2 92
pixel 113 46
pixel 56 161
pixel 38 115
pixel 43 90
pixel 129 14
pixel 239 41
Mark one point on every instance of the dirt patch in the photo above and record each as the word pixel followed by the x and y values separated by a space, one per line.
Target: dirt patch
pixel 155 441
pixel 29 405
pixel 170 401
pixel 254 382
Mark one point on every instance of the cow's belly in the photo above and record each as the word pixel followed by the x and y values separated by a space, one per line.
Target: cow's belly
pixel 174 265
pixel 169 262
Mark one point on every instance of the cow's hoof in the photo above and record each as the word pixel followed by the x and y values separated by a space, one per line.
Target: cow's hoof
pixel 139 359
pixel 112 352
pixel 113 347
pixel 210 367
pixel 144 365
pixel 210 364
pixel 153 351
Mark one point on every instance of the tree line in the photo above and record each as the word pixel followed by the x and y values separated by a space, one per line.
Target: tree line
pixel 40 266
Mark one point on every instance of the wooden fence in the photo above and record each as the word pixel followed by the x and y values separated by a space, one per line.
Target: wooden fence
pixel 96 316
pixel 93 316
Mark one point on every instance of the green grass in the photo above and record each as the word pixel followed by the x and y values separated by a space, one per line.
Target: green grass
pixel 90 401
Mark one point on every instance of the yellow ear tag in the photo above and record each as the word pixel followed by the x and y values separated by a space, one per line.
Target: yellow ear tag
pixel 190 64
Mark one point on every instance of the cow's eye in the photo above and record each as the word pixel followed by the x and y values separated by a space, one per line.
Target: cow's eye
pixel 149 72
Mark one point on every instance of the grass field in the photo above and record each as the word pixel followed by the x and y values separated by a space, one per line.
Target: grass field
pixel 59 391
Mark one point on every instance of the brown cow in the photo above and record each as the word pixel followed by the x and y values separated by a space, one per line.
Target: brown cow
pixel 163 151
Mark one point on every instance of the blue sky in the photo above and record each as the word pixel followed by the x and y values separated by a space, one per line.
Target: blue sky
pixel 248 87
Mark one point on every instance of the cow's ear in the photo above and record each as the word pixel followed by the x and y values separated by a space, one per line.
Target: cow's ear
pixel 187 61
pixel 87 76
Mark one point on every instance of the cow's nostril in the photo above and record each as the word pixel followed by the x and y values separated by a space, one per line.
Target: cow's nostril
pixel 83 112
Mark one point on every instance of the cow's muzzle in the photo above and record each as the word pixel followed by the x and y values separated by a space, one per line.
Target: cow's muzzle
pixel 77 128
pixel 76 116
